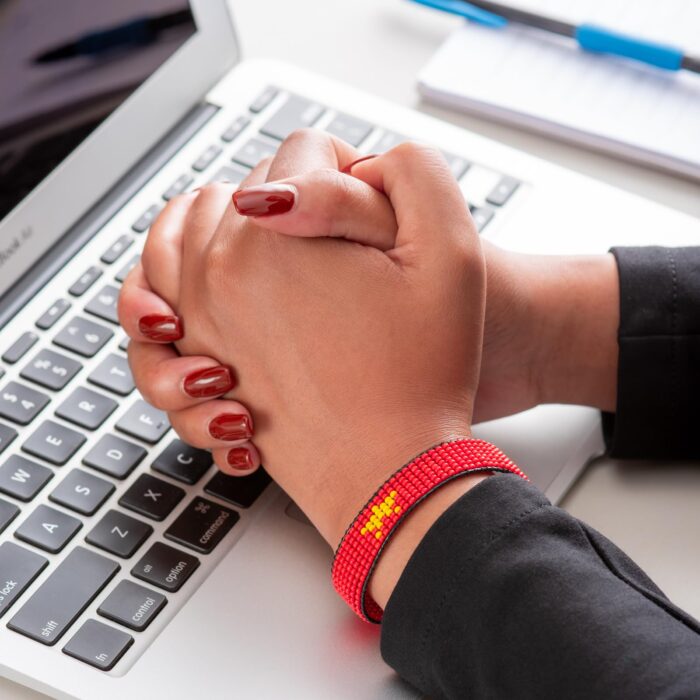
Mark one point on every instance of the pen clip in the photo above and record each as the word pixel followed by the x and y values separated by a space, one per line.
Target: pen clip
pixel 466 10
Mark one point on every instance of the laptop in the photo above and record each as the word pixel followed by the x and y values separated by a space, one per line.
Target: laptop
pixel 130 568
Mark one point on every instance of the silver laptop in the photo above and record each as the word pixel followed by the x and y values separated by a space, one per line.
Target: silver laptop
pixel 129 568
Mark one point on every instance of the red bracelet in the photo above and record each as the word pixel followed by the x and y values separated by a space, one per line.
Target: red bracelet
pixel 363 542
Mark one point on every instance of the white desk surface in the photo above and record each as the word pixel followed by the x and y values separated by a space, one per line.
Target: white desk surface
pixel 650 510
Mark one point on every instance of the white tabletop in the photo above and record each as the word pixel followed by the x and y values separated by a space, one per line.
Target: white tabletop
pixel 650 510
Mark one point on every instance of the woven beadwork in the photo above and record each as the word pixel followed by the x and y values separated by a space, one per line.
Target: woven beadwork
pixel 359 550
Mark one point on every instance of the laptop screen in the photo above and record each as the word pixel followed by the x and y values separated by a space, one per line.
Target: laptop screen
pixel 64 67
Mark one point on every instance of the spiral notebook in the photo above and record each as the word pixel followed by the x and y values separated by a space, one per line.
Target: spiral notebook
pixel 542 82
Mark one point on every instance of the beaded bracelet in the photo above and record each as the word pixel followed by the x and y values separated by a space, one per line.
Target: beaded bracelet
pixel 363 542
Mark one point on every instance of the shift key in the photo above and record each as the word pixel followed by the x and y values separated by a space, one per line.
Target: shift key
pixel 18 568
pixel 61 599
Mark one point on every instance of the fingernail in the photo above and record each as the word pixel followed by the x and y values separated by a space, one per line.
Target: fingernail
pixel 211 381
pixel 348 168
pixel 230 426
pixel 265 200
pixel 240 458
pixel 160 327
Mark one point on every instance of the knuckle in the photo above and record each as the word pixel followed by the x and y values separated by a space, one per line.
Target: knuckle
pixel 302 135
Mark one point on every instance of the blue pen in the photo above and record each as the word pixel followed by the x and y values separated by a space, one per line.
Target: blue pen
pixel 589 36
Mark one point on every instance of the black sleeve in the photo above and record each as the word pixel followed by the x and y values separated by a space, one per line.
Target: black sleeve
pixel 658 389
pixel 510 597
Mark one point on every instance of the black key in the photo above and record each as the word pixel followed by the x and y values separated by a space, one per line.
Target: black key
pixel 503 191
pixel 263 99
pixel 48 528
pixel 132 605
pixel 83 337
pixel 350 129
pixel 104 304
pixel 50 369
pixel 18 568
pixel 20 347
pixel 53 442
pixel 251 153
pixel 86 408
pixel 178 187
pixel 230 173
pixel 388 140
pixel 207 158
pixel 114 456
pixel 121 275
pixel 240 490
pixel 62 598
pixel 151 497
pixel 458 165
pixel 98 644
pixel 85 281
pixel 23 479
pixel 165 567
pixel 116 250
pixel 295 113
pixel 182 462
pixel 82 492
pixel 8 512
pixel 7 435
pixel 20 404
pixel 481 216
pixel 52 314
pixel 113 373
pixel 144 422
pixel 236 127
pixel 124 344
pixel 119 534
pixel 202 525
pixel 143 223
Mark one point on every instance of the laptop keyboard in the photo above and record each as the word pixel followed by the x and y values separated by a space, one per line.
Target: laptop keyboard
pixel 66 452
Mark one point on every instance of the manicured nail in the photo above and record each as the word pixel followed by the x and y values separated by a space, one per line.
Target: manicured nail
pixel 231 426
pixel 212 381
pixel 240 458
pixel 348 168
pixel 165 329
pixel 265 200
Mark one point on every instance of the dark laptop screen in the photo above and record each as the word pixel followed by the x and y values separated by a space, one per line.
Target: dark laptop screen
pixel 64 66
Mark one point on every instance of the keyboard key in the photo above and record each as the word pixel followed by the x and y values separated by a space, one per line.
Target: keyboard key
pixel 116 250
pixel 82 492
pixel 295 113
pixel 202 525
pixel 242 491
pixel 83 337
pixel 8 512
pixel 151 497
pixel 207 158
pixel 253 152
pixel 132 605
pixel 178 187
pixel 104 304
pixel 119 534
pixel 65 594
pixel 388 140
pixel 230 173
pixel 20 347
pixel 481 216
pixel 53 442
pixel 51 370
pixel 503 191
pixel 235 129
pixel 143 223
pixel 20 404
pixel 52 314
pixel 113 456
pixel 22 478
pixel 458 165
pixel 7 435
pixel 349 129
pixel 98 644
pixel 165 567
pixel 144 422
pixel 113 373
pixel 263 99
pixel 48 528
pixel 18 567
pixel 133 262
pixel 86 408
pixel 85 281
pixel 124 344
pixel 182 462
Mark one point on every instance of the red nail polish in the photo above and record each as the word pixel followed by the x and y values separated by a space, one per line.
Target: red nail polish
pixel 230 426
pixel 159 327
pixel 212 381
pixel 348 168
pixel 240 458
pixel 265 200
